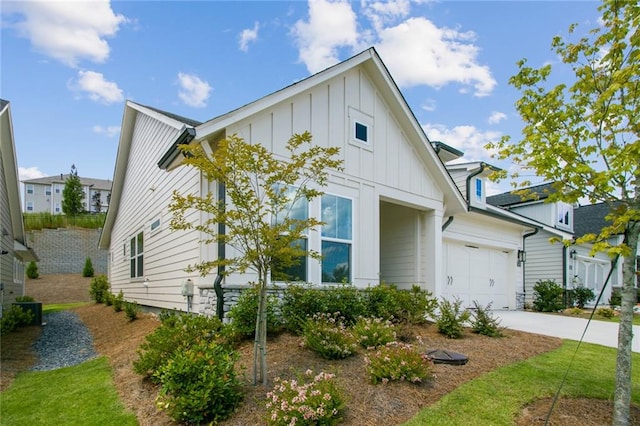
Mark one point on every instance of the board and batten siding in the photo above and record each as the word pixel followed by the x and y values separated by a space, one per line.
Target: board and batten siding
pixel 146 195
pixel 544 262
pixel 388 168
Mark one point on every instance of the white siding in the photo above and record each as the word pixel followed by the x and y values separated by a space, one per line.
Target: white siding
pixel 146 196
pixel 544 262
pixel 399 245
pixel 387 168
pixel 541 212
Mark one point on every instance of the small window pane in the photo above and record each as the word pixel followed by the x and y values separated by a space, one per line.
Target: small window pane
pixel 132 253
pixel 479 189
pixel 140 271
pixel 361 132
pixel 296 272
pixel 344 218
pixel 336 261
pixel 140 244
pixel 133 267
pixel 155 225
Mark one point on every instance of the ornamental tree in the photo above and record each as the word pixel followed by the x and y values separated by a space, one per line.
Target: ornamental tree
pixel 261 193
pixel 583 137
pixel 72 194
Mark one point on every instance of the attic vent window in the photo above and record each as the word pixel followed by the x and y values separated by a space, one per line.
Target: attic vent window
pixel 361 132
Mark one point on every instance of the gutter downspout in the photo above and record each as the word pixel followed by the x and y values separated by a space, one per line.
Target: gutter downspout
pixel 471 176
pixel 217 285
pixel 524 265
pixel 447 223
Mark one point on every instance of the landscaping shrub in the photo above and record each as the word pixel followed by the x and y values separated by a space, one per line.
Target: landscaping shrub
pixel 244 313
pixel 582 296
pixel 131 310
pixel 373 332
pixel 547 296
pixel 87 271
pixel 346 299
pixel 298 303
pixel 327 335
pixel 606 312
pixel 99 289
pixel 574 311
pixel 304 402
pixel 199 383
pixel 452 317
pixel 616 298
pixel 118 301
pixel 13 318
pixel 483 322
pixel 32 270
pixel 177 332
pixel 386 301
pixel 25 299
pixel 399 362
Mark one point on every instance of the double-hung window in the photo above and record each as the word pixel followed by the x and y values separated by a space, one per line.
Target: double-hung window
pixel 337 215
pixel 296 209
pixel 30 189
pixel 136 255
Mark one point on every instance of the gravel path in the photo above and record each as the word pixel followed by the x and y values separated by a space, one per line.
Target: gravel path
pixel 64 341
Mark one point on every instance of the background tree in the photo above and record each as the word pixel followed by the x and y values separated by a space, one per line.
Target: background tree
pixel 584 138
pixel 97 201
pixel 261 192
pixel 72 194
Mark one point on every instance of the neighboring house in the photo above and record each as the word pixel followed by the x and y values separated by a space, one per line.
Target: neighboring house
pixel 568 266
pixel 14 253
pixel 45 194
pixel 389 205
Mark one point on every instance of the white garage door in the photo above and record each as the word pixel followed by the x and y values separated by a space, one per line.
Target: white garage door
pixel 476 274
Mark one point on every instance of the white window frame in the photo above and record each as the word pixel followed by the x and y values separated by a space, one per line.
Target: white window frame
pixel 153 228
pixel 56 188
pixel 564 216
pixel 357 117
pixel 30 189
pixel 30 206
pixel 18 271
pixel 47 191
pixel 57 208
pixel 136 255
pixel 337 239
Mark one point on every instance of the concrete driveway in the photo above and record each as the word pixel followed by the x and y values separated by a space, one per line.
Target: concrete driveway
pixel 599 332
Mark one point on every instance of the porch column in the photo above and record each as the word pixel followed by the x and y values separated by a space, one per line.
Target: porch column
pixel 432 256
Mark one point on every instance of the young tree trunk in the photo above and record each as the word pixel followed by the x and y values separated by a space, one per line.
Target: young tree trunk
pixel 260 339
pixel 622 397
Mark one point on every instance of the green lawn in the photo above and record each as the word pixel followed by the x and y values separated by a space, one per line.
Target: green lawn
pixel 49 308
pixel 79 395
pixel 496 398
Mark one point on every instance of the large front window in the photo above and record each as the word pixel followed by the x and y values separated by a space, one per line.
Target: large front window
pixel 297 210
pixel 137 256
pixel 337 214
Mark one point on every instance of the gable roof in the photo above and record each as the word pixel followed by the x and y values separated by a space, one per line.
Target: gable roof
pixel 131 111
pixel 381 78
pixel 507 199
pixel 446 152
pixel 104 184
pixel 590 219
pixel 10 180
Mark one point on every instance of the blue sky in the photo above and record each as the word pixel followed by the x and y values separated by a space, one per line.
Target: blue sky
pixel 68 67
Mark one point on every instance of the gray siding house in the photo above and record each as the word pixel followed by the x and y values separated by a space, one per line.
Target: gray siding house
pixel 45 194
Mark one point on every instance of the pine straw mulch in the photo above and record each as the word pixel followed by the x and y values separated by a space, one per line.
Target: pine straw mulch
pixel 367 404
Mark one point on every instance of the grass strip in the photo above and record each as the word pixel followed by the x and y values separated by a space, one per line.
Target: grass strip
pixel 48 309
pixel 497 398
pixel 80 395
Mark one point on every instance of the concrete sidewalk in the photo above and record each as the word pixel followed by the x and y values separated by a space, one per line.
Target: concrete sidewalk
pixel 599 332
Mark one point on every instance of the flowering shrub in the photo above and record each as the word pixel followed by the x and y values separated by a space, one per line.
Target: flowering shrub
pixel 294 402
pixel 398 361
pixel 327 335
pixel 374 332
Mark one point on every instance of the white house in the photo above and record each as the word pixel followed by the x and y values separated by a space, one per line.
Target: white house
pixel 14 252
pixel 398 215
pixel 45 194
pixel 568 266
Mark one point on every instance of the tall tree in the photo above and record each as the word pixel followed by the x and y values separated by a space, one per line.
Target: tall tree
pixel 72 194
pixel 97 201
pixel 261 194
pixel 583 136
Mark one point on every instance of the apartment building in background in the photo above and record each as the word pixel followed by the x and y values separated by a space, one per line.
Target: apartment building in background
pixel 45 194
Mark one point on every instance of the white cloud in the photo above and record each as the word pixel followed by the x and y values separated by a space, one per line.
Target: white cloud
pixel 96 87
pixel 418 52
pixel 193 91
pixel 497 117
pixel 26 173
pixel 248 36
pixel 467 139
pixel 331 25
pixel 109 131
pixel 68 31
pixel 429 105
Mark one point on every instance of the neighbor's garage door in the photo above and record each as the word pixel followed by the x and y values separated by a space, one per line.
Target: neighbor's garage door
pixel 476 274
